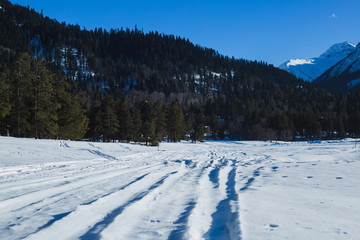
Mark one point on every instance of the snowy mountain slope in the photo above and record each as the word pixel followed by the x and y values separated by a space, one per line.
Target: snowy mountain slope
pixel 311 69
pixel 214 190
pixel 345 74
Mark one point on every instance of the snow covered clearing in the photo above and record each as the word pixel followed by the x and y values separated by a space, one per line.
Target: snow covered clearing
pixel 215 190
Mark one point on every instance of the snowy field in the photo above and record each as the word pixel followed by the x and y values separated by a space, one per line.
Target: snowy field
pixel 215 190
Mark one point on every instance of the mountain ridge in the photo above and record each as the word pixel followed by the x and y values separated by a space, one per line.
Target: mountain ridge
pixel 343 76
pixel 312 68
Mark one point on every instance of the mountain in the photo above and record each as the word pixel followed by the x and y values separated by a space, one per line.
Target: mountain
pixel 141 86
pixel 312 68
pixel 344 75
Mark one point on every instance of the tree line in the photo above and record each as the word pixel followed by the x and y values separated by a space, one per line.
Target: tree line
pixel 36 102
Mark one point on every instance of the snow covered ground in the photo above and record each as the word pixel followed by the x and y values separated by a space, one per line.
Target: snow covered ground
pixel 215 190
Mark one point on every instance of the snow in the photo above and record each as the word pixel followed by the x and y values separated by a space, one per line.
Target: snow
pixel 310 69
pixel 353 83
pixel 294 62
pixel 351 64
pixel 214 190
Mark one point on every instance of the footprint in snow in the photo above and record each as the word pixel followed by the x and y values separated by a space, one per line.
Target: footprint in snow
pixel 274 168
pixel 273 225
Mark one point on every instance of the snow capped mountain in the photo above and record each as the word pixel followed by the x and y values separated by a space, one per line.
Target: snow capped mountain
pixel 312 68
pixel 344 75
pixel 350 64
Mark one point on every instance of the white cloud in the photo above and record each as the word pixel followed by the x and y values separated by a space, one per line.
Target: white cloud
pixel 333 16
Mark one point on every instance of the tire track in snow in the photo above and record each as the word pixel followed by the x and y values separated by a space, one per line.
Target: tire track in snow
pixel 70 184
pixel 58 217
pixel 158 212
pixel 183 219
pixel 26 215
pixel 97 214
pixel 225 222
pixel 95 231
pixel 75 179
pixel 212 190
pixel 63 200
pixel 181 222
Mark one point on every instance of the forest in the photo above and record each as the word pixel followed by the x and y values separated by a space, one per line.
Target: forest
pixel 62 82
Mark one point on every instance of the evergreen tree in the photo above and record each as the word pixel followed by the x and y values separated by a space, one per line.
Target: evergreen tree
pixel 354 123
pixel 110 123
pixel 21 84
pixel 160 115
pixel 198 128
pixel 42 107
pixel 136 124
pixel 5 106
pixel 339 126
pixel 148 122
pixel 125 121
pixel 72 121
pixel 95 131
pixel 175 123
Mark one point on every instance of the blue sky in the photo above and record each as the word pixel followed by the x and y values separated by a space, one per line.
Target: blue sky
pixel 272 31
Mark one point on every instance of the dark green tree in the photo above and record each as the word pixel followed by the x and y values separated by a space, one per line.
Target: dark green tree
pixel 5 105
pixel 110 121
pixel 21 77
pixel 72 120
pixel 95 131
pixel 42 107
pixel 160 122
pixel 198 128
pixel 125 121
pixel 148 122
pixel 135 132
pixel 175 123
pixel 339 126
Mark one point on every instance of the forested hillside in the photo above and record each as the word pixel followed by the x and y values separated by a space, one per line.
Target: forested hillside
pixel 60 81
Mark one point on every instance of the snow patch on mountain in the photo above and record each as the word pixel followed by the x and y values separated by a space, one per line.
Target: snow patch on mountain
pixel 350 64
pixel 294 62
pixel 312 68
pixel 353 83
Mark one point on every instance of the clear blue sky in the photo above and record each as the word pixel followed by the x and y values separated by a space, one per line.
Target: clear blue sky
pixel 269 30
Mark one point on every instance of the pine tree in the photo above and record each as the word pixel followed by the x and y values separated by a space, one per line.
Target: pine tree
pixel 72 121
pixel 160 128
pixel 110 121
pixel 5 106
pixel 136 124
pixel 339 126
pixel 21 76
pixel 125 121
pixel 148 122
pixel 198 128
pixel 354 123
pixel 43 110
pixel 175 123
pixel 95 131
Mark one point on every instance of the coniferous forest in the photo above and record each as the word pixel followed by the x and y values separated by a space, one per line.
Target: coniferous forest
pixel 63 82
